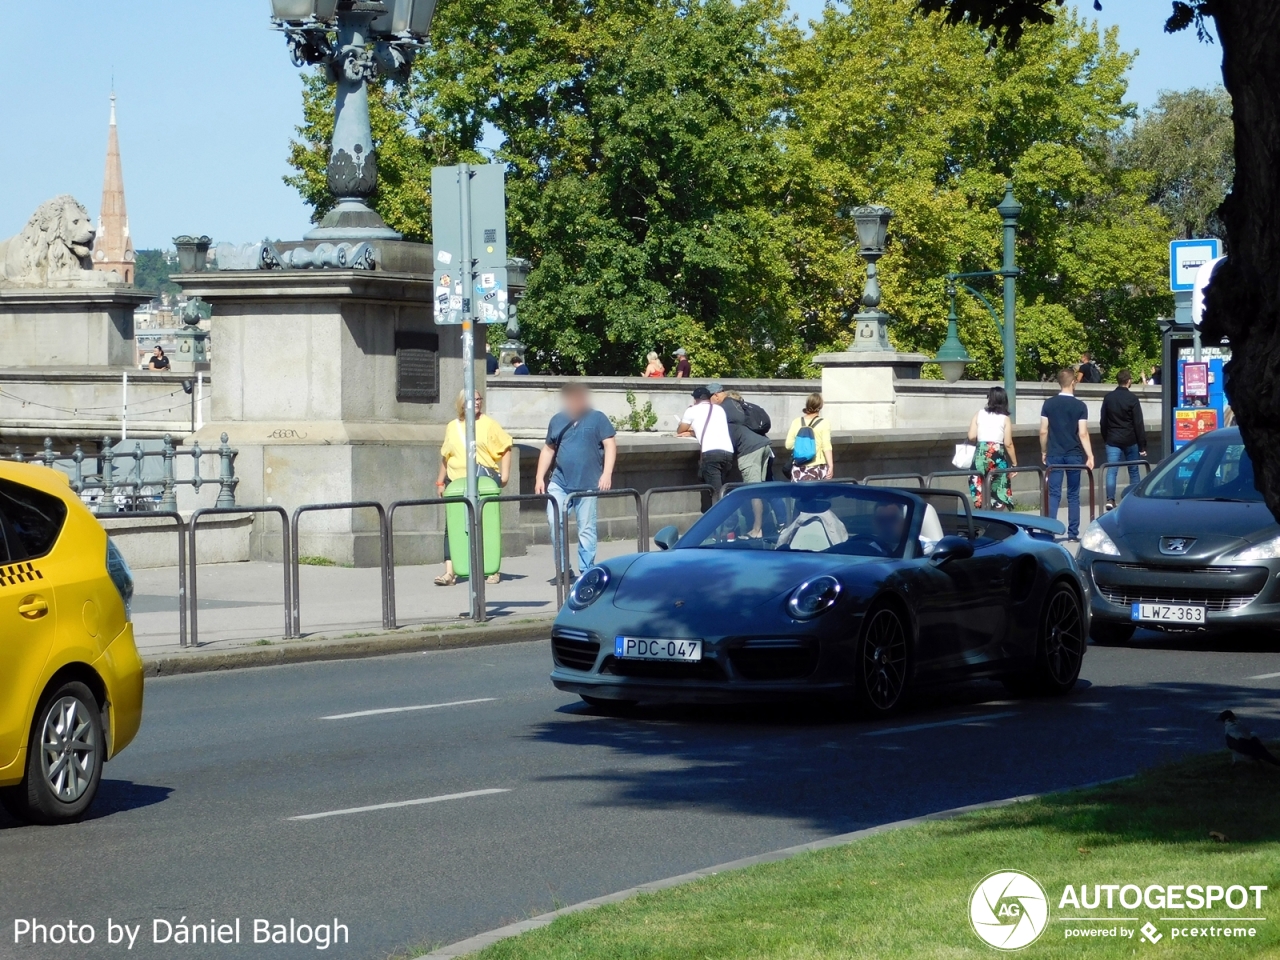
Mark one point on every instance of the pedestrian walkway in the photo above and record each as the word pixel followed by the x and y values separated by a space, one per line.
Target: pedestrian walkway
pixel 243 603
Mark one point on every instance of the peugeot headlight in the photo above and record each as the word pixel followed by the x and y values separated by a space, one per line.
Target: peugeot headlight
pixel 1266 550
pixel 587 589
pixel 1095 540
pixel 813 597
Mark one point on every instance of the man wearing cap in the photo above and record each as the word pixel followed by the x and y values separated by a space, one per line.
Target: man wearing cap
pixel 682 364
pixel 706 422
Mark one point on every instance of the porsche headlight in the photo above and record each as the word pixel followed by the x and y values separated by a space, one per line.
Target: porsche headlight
pixel 587 589
pixel 1095 540
pixel 1266 550
pixel 813 597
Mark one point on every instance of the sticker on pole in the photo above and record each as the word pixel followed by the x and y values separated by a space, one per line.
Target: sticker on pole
pixel 448 304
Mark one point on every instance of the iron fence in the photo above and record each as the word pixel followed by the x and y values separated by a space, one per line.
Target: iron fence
pixel 382 554
pixel 560 560
pixel 477 615
pixel 119 486
pixel 599 495
pixel 192 607
pixel 644 531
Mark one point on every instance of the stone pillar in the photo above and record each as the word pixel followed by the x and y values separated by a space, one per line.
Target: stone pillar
pixel 858 391
pixel 69 326
pixel 334 385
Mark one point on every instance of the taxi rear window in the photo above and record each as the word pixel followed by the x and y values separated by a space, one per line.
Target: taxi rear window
pixel 30 522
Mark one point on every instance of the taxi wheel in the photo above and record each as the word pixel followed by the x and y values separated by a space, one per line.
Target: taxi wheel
pixel 883 663
pixel 64 758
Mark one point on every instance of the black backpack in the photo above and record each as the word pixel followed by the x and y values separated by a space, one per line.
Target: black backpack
pixel 756 420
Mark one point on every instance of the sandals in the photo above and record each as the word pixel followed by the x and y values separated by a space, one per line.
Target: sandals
pixel 446 580
pixel 493 578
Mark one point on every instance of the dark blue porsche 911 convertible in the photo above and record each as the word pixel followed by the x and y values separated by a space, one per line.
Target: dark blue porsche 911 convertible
pixel 849 592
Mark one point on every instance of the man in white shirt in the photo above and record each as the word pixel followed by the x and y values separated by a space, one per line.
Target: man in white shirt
pixel 706 422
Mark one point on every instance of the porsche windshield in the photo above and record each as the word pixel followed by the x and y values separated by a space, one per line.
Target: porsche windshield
pixel 1213 468
pixel 805 518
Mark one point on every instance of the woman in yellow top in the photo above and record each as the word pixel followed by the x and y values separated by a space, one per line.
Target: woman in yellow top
pixel 813 459
pixel 493 459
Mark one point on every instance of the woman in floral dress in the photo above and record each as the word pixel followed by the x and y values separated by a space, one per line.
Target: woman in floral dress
pixel 992 430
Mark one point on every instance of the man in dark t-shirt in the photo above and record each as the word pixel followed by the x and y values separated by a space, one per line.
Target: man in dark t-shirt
pixel 1064 440
pixel 580 441
pixel 682 364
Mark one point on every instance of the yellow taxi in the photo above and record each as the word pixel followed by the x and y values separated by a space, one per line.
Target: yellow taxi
pixel 70 675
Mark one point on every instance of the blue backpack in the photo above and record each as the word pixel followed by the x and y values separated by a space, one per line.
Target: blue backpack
pixel 805 448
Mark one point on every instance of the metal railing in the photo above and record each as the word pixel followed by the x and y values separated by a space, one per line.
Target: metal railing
pixel 114 487
pixel 643 521
pixel 921 480
pixel 1104 467
pixel 561 565
pixel 391 550
pixel 182 568
pixel 990 475
pixel 598 495
pixel 297 549
pixel 928 494
pixel 193 612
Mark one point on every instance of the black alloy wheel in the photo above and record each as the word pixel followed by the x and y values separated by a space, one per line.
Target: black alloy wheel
pixel 882 663
pixel 1059 647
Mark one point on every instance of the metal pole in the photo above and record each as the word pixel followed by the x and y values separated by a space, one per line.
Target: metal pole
pixel 1009 209
pixel 475 582
pixel 124 407
pixel 199 421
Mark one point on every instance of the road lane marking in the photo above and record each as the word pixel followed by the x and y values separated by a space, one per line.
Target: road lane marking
pixel 958 722
pixel 402 803
pixel 1264 676
pixel 421 706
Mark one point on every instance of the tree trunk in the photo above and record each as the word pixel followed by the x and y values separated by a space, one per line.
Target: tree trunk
pixel 1243 302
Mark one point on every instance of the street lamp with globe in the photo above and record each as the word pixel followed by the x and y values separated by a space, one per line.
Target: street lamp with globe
pixel 356 42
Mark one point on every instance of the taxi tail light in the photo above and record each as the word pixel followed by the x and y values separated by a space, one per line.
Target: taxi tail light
pixel 121 576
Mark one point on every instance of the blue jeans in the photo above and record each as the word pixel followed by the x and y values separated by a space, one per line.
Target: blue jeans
pixel 1116 455
pixel 1073 492
pixel 584 511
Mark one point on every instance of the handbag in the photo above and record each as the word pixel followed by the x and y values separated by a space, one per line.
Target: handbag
pixel 963 459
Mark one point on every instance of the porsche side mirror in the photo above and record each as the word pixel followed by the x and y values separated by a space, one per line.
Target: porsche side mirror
pixel 666 537
pixel 951 548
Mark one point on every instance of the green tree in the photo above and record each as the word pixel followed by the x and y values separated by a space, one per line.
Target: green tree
pixel 891 105
pixel 1186 144
pixel 1241 304
pixel 151 272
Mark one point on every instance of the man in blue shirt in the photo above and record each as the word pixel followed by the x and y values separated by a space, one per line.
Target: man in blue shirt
pixel 1064 439
pixel 580 442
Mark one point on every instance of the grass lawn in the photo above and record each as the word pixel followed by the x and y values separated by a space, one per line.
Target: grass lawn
pixel 906 893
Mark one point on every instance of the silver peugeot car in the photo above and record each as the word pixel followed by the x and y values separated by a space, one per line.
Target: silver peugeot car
pixel 1193 548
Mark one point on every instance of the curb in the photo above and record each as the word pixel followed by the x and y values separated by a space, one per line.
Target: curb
pixel 346 648
pixel 477 943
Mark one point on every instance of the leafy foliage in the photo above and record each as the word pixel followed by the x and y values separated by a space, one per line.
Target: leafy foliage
pixel 151 272
pixel 676 171
pixel 1187 143
pixel 639 419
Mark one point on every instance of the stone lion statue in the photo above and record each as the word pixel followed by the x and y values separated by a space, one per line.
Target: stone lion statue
pixel 53 249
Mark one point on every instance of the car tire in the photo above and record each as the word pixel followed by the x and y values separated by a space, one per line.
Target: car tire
pixel 883 663
pixel 606 705
pixel 1060 645
pixel 64 758
pixel 1111 634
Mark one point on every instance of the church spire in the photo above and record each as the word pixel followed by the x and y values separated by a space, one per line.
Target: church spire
pixel 113 247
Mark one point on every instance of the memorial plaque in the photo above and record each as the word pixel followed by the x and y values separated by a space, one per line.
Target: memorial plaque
pixel 417 367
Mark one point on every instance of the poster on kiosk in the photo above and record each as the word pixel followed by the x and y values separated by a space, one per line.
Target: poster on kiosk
pixel 1202 403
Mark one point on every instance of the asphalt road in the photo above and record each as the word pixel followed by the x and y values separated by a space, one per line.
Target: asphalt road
pixel 194 820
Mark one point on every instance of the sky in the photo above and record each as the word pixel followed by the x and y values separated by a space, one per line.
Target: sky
pixel 207 102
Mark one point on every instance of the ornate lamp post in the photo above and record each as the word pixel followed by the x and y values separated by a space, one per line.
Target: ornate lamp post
pixel 952 356
pixel 356 41
pixel 871 323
